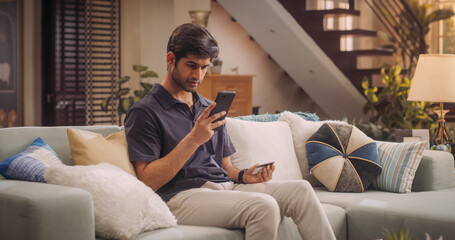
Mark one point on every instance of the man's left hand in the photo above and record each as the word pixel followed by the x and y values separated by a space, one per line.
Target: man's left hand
pixel 264 176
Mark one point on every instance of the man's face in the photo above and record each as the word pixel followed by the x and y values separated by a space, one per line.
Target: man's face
pixel 189 71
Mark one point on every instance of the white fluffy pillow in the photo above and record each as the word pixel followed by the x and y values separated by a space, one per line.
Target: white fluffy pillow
pixel 124 206
pixel 262 142
pixel 302 130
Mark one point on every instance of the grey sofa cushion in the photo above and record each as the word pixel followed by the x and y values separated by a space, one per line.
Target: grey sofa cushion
pixel 40 211
pixel 371 212
pixel 287 229
pixel 435 172
pixel 337 219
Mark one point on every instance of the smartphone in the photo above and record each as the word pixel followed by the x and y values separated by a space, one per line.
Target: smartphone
pixel 223 101
pixel 259 168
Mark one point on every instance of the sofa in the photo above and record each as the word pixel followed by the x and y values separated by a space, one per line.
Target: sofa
pixel 31 210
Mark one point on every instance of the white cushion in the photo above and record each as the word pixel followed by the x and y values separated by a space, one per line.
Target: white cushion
pixel 302 130
pixel 124 206
pixel 262 142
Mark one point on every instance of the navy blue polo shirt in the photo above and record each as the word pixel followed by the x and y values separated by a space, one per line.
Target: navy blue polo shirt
pixel 158 122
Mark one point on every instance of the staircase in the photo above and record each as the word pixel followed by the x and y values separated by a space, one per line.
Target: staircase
pixel 291 47
pixel 329 40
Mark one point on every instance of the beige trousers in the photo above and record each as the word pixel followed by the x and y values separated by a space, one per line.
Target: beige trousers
pixel 256 207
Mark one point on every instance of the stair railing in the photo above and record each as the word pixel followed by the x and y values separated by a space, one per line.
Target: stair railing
pixel 405 29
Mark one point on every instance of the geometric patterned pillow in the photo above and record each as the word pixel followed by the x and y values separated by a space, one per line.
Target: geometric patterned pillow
pixel 30 164
pixel 400 162
pixel 343 158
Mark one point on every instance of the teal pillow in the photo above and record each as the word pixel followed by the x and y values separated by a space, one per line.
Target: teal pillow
pixel 30 164
pixel 269 117
pixel 343 158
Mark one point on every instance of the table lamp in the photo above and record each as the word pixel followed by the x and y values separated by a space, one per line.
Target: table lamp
pixel 434 81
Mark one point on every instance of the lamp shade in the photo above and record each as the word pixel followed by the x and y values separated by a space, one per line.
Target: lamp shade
pixel 434 79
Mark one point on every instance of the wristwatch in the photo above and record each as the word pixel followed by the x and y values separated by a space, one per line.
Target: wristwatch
pixel 240 177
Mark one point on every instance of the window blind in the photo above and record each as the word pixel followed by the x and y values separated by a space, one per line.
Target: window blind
pixel 86 61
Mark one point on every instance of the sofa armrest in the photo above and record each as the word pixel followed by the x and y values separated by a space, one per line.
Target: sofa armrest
pixel 45 211
pixel 435 172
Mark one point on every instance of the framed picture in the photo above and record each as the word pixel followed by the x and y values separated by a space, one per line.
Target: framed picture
pixel 10 63
pixel 413 135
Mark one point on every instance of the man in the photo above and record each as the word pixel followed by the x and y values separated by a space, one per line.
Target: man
pixel 176 152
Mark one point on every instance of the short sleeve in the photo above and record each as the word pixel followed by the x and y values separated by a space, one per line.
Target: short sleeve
pixel 228 148
pixel 142 135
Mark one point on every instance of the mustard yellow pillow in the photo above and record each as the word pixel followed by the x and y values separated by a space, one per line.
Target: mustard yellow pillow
pixel 89 148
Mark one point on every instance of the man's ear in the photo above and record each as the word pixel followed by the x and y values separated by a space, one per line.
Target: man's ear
pixel 170 58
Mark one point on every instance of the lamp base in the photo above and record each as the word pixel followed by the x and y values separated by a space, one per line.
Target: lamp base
pixel 442 147
pixel 441 138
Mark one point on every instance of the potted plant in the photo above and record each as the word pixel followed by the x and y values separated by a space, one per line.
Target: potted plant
pixel 389 107
pixel 215 67
pixel 123 99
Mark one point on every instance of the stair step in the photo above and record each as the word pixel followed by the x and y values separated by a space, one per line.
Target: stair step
pixel 360 32
pixel 337 11
pixel 368 71
pixel 371 52
pixel 372 71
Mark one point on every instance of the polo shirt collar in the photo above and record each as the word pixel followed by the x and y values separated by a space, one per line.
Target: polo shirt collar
pixel 167 101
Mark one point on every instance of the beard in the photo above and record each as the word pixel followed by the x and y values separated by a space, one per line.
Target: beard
pixel 183 83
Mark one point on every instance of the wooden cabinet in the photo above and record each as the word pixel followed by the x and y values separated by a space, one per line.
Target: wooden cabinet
pixel 241 84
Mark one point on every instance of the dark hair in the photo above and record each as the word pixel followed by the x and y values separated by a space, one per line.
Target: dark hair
pixel 192 38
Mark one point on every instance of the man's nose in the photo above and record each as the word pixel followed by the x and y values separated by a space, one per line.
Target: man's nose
pixel 197 73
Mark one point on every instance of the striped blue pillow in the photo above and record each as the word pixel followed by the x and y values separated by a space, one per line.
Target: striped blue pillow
pixel 399 164
pixel 30 164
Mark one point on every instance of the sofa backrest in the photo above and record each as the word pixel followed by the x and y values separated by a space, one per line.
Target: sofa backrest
pixel 17 139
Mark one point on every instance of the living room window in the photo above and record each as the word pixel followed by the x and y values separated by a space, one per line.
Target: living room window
pixel 447 29
pixel 81 60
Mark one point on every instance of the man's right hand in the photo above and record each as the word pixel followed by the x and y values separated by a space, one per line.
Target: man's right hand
pixel 159 172
pixel 203 129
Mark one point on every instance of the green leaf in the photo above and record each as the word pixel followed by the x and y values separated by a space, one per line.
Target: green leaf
pixel 365 83
pixel 105 103
pixel 149 74
pixel 397 70
pixel 440 14
pixel 139 68
pixel 122 92
pixel 374 90
pixel 146 86
pixel 374 98
pixel 125 105
pixel 124 79
pixel 139 93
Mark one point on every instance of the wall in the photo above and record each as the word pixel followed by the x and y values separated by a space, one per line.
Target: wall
pixel 147 24
pixel 145 28
pixel 32 62
pixel 273 90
